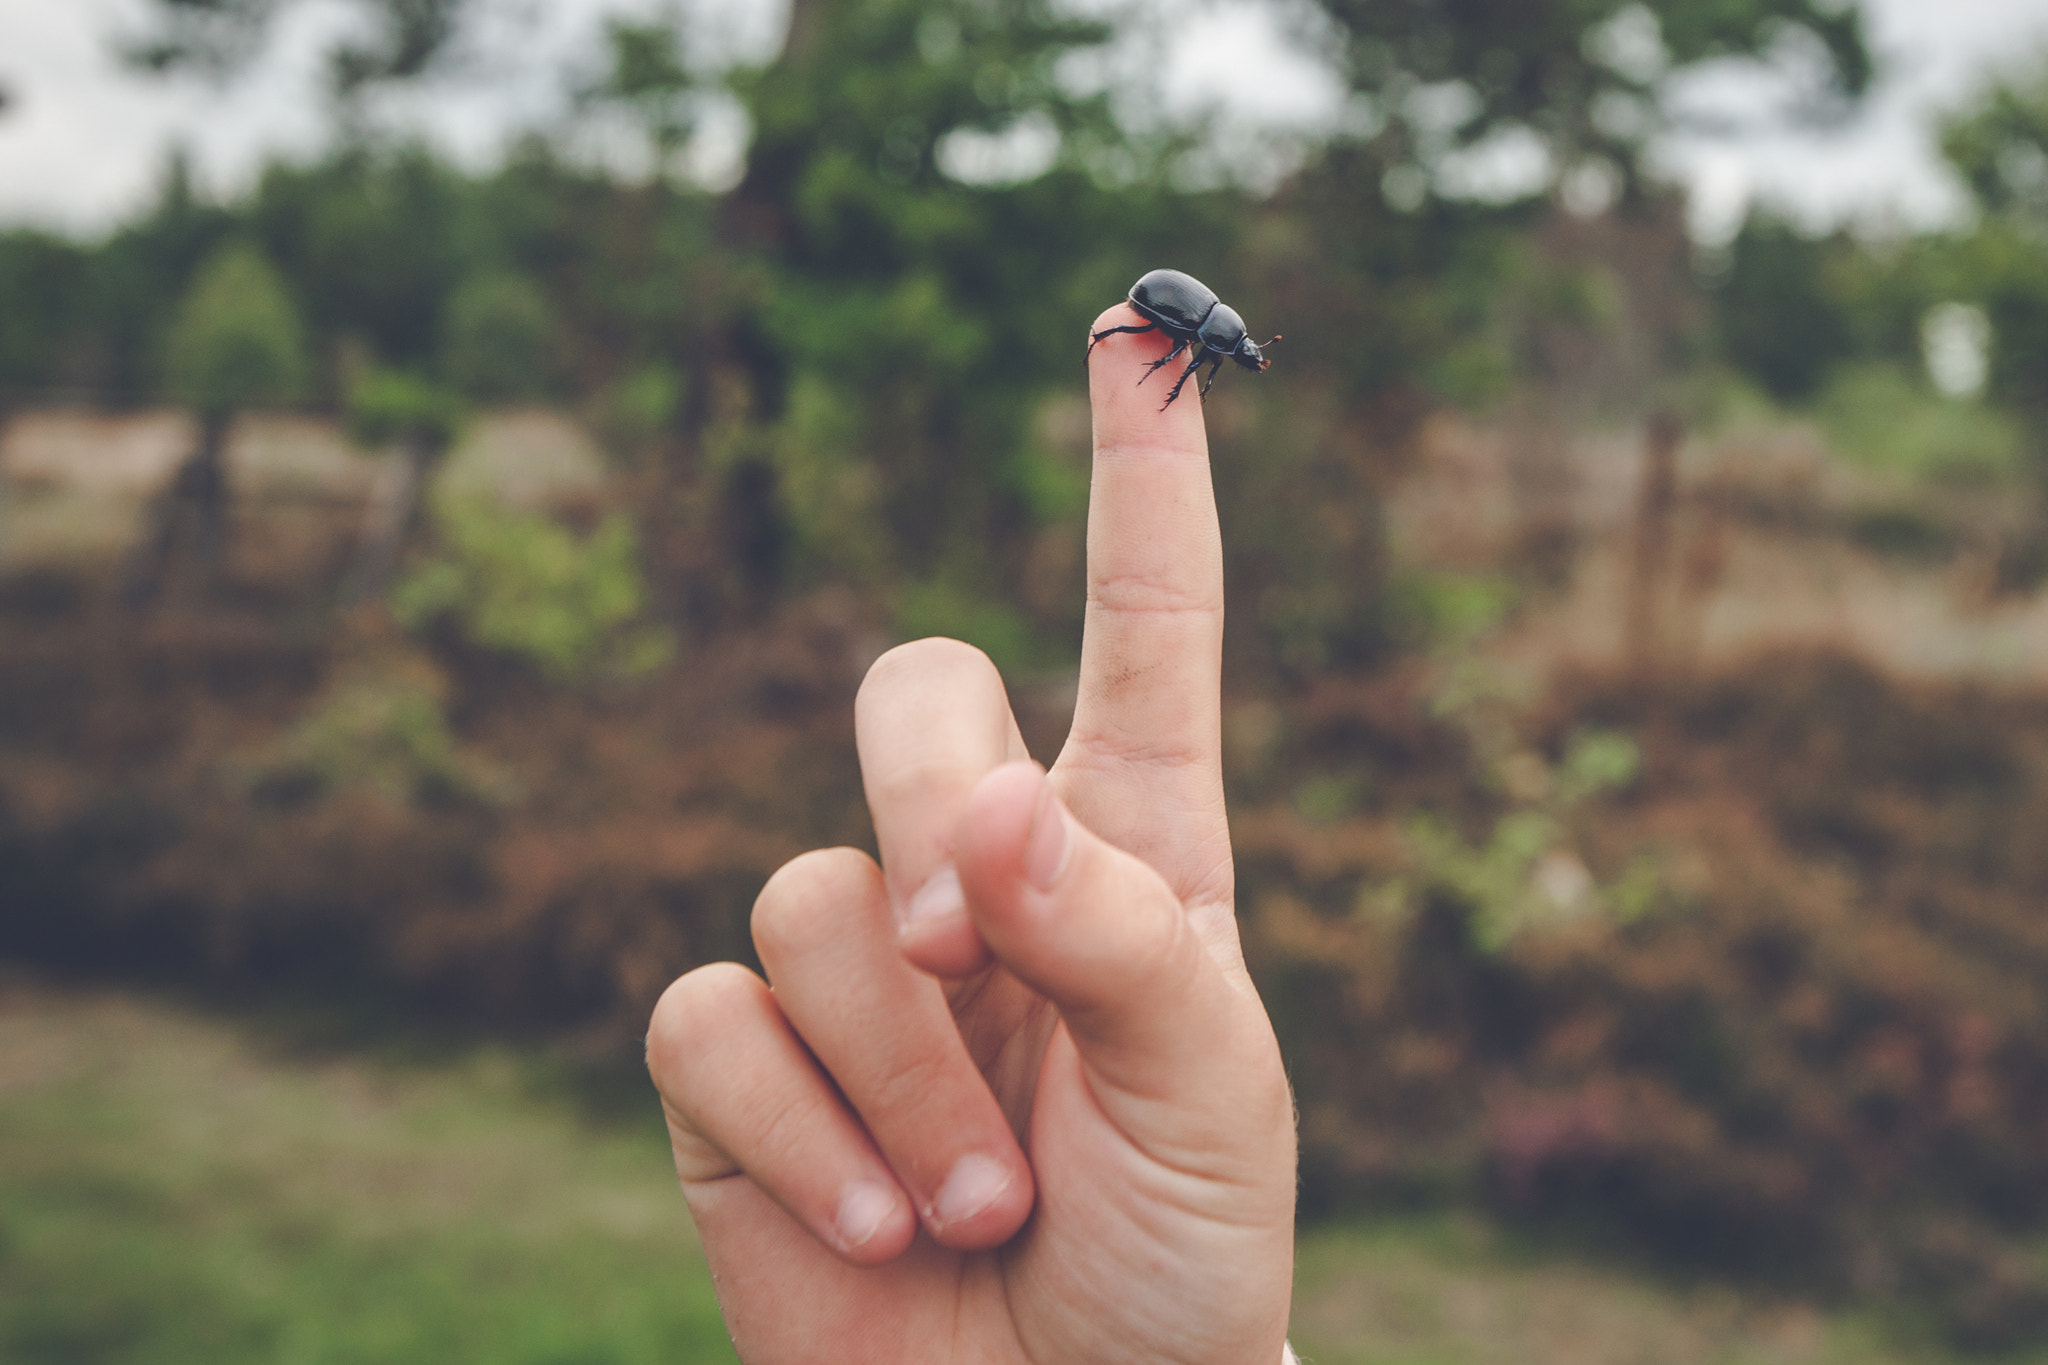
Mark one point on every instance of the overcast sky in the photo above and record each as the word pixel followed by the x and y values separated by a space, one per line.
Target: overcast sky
pixel 83 142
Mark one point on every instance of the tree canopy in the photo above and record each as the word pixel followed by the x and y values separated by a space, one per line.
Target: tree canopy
pixel 236 341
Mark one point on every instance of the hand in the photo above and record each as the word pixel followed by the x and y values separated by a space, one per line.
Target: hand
pixel 1012 1097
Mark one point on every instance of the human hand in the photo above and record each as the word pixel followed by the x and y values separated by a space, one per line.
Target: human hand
pixel 1012 1097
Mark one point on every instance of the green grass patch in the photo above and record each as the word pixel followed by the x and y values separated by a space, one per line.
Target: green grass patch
pixel 1458 1290
pixel 171 1192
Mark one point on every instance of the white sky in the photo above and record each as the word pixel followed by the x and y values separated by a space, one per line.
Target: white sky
pixel 84 142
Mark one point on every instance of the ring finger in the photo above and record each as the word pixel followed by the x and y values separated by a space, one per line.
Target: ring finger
pixel 744 1098
pixel 885 1033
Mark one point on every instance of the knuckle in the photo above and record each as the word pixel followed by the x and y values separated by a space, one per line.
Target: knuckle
pixel 1110 751
pixel 804 897
pixel 911 1084
pixel 922 785
pixel 781 1124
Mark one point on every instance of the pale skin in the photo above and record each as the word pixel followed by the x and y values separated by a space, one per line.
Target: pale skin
pixel 1009 1097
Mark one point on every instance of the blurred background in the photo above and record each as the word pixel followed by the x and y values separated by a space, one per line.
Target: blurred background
pixel 458 457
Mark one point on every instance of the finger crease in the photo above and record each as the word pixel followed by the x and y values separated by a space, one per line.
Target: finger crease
pixel 1100 750
pixel 1143 593
pixel 1135 450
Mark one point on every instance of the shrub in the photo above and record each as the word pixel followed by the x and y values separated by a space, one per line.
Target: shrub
pixel 498 337
pixel 526 586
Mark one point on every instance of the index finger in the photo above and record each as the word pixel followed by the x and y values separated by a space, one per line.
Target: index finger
pixel 1143 763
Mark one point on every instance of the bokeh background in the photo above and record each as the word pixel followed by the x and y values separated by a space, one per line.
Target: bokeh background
pixel 458 457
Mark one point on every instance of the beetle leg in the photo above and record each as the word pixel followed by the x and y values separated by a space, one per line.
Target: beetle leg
pixel 1210 378
pixel 1174 393
pixel 1166 359
pixel 1094 337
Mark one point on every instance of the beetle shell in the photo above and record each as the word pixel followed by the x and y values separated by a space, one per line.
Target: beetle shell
pixel 1176 301
pixel 1223 330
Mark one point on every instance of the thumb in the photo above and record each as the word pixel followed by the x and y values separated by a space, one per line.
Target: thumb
pixel 1159 1026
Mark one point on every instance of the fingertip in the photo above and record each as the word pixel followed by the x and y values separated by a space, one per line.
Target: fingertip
pixel 1118 314
pixel 996 824
pixel 982 1204
pixel 950 948
pixel 873 1223
pixel 1125 390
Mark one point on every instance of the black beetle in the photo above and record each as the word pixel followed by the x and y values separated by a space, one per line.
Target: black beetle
pixel 1189 312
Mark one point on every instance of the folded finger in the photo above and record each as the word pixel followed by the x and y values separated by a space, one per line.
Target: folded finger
pixel 885 1033
pixel 931 719
pixel 745 1099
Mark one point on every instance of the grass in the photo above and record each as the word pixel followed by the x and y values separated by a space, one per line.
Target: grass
pixel 171 1190
pixel 1456 1290
pixel 176 1188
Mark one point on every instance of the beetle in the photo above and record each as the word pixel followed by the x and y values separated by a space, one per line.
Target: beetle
pixel 1189 312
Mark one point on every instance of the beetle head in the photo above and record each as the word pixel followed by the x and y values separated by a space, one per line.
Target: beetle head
pixel 1251 355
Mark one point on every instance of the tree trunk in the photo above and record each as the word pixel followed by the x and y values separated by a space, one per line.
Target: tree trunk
pixel 185 529
pixel 388 522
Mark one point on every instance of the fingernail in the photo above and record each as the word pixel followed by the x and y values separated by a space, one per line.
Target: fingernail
pixel 1045 855
pixel 974 1183
pixel 863 1207
pixel 939 897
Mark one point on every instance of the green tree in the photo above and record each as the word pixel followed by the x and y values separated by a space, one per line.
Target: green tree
pixel 396 39
pixel 1583 76
pixel 236 343
pixel 1781 313
pixel 902 300
pixel 1999 145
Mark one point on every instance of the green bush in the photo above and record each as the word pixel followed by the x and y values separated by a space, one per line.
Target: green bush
pixel 386 730
pixel 529 587
pixel 1882 416
pixel 498 338
pixel 1526 873
pixel 386 406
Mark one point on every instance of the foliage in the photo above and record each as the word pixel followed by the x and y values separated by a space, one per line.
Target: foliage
pixel 381 726
pixel 42 277
pixel 522 584
pixel 648 78
pixel 1779 306
pixel 1525 875
pixel 236 342
pixel 1883 416
pixel 1763 1075
pixel 387 406
pixel 1443 610
pixel 1439 78
pixel 498 338
pixel 2000 147
pixel 395 40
